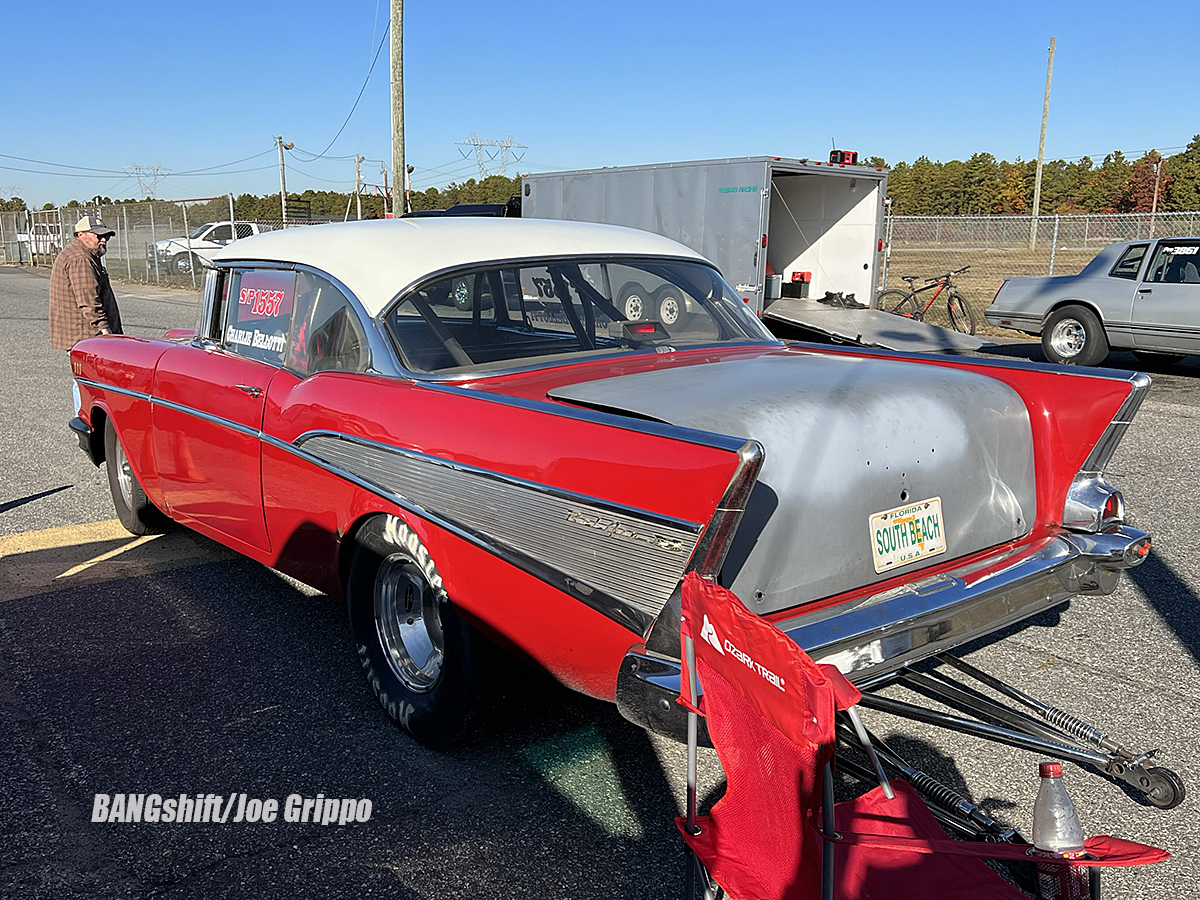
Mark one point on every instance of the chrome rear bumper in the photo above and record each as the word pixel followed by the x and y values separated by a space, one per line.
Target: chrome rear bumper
pixel 874 635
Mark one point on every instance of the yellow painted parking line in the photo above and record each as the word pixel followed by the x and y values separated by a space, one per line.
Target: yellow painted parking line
pixel 37 562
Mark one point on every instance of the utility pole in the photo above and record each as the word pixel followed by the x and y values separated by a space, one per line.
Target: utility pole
pixel 358 184
pixel 1037 181
pixel 397 93
pixel 282 183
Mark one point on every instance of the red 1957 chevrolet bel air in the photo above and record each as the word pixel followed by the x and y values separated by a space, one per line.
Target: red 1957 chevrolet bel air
pixel 451 424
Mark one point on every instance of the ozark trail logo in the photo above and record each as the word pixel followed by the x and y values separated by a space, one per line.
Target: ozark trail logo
pixel 708 633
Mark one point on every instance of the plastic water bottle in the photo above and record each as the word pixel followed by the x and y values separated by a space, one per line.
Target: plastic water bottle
pixel 1056 832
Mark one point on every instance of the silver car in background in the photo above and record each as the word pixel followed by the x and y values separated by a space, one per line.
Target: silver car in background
pixel 1142 296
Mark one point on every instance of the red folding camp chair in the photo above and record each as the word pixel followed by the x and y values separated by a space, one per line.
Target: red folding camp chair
pixel 770 712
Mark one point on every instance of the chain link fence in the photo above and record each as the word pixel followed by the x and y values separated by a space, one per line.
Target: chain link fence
pixel 156 241
pixel 165 241
pixel 999 247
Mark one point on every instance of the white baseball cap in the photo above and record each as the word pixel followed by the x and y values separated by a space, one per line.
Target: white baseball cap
pixel 93 224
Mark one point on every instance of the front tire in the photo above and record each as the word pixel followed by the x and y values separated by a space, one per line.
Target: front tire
pixel 1073 335
pixel 181 264
pixel 415 651
pixel 898 303
pixel 133 507
pixel 962 317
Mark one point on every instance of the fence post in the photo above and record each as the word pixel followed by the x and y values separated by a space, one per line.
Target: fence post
pixel 188 238
pixel 153 241
pixel 1054 245
pixel 125 219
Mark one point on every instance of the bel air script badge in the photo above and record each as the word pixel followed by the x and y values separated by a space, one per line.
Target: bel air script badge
pixel 615 528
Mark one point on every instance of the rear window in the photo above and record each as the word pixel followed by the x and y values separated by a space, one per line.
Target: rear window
pixel 538 310
pixel 1130 262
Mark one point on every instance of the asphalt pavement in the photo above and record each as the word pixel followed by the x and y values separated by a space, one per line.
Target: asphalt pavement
pixel 171 666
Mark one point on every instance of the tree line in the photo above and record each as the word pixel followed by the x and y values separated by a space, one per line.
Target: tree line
pixel 978 186
pixel 319 204
pixel 983 186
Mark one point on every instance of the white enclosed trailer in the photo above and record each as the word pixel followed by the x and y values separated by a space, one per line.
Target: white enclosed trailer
pixel 814 226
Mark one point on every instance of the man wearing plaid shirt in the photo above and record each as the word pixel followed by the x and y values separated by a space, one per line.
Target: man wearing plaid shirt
pixel 82 304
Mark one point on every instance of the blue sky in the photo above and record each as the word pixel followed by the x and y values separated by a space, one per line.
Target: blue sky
pixel 190 86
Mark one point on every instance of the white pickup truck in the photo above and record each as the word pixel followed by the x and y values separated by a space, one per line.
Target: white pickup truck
pixel 175 255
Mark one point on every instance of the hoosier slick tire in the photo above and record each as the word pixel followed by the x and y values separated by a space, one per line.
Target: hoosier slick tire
pixel 415 652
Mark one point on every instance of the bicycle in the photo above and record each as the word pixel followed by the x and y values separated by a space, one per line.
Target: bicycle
pixel 905 303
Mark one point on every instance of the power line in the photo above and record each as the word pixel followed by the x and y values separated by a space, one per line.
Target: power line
pixel 234 163
pixel 200 173
pixel 43 162
pixel 296 168
pixel 61 174
pixel 382 41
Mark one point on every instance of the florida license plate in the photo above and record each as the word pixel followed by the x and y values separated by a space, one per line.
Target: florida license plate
pixel 907 533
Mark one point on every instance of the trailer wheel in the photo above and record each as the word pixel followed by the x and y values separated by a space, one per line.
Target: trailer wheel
pixel 1165 789
pixel 633 301
pixel 669 302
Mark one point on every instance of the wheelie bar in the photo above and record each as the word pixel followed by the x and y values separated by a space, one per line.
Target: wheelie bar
pixel 950 807
pixel 1024 722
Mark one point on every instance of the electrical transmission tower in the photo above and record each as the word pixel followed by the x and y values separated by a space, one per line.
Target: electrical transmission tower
pixel 505 146
pixel 147 178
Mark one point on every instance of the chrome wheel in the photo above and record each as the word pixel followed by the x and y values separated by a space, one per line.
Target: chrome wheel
pixel 408 624
pixel 1068 338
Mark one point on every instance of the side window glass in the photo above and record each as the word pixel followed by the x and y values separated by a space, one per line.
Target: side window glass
pixel 326 333
pixel 1129 263
pixel 219 234
pixel 1176 264
pixel 259 312
pixel 244 230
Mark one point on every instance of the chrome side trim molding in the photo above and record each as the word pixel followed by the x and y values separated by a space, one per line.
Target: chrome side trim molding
pixel 619 611
pixel 629 556
pixel 209 417
pixel 137 395
pixel 598 416
pixel 177 407
pixel 874 635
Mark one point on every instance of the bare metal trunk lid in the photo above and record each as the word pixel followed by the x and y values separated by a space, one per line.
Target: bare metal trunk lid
pixel 846 438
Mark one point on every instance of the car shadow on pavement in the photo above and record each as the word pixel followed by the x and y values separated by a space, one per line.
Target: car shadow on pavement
pixel 1176 603
pixel 21 501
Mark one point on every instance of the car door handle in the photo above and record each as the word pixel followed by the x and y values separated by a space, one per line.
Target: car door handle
pixel 1145 290
pixel 252 390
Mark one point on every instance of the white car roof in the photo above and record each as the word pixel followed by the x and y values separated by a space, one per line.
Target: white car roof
pixel 377 259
